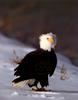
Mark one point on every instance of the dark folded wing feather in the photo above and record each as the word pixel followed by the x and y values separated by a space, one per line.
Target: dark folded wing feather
pixel 38 62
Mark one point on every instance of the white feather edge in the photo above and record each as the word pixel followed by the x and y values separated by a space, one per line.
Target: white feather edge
pixel 22 83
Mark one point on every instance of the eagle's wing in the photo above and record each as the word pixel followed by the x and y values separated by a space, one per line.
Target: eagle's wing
pixel 26 65
pixel 36 63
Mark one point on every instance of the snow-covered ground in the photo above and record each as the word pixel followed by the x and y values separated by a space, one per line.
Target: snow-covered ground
pixel 62 89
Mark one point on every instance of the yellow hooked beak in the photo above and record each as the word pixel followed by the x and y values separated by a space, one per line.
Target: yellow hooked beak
pixel 51 40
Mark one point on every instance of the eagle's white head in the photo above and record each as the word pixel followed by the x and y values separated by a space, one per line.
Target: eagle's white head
pixel 47 41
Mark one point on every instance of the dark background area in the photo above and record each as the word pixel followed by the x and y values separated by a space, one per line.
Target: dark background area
pixel 25 20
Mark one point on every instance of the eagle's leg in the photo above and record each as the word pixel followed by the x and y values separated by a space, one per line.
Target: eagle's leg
pixel 36 88
pixel 34 85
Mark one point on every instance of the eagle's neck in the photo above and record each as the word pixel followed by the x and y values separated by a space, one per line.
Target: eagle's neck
pixel 45 46
pixel 49 49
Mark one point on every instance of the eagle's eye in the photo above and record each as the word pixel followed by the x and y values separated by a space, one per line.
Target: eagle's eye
pixel 47 38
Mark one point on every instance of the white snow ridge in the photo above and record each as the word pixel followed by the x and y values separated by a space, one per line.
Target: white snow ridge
pixel 62 89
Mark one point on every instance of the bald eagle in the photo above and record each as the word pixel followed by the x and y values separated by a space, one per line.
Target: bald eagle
pixel 37 65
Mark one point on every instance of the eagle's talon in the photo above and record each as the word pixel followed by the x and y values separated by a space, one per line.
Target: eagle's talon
pixel 34 88
pixel 39 89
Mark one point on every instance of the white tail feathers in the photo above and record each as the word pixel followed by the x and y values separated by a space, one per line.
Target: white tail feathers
pixel 19 84
pixel 22 83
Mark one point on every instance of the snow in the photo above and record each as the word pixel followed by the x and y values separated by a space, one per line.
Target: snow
pixel 62 89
